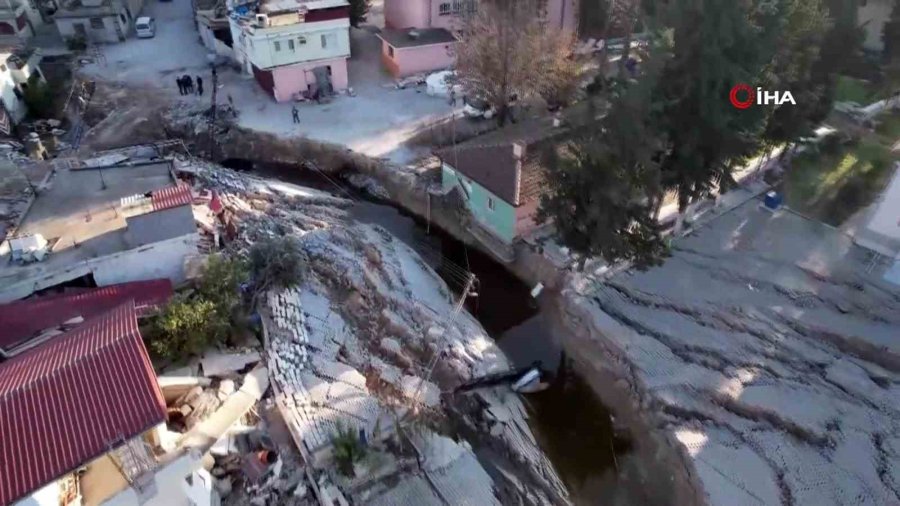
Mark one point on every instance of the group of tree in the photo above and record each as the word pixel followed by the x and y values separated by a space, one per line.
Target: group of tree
pixel 507 52
pixel 217 305
pixel 674 131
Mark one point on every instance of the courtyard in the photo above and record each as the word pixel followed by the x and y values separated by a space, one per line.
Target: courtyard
pixel 376 120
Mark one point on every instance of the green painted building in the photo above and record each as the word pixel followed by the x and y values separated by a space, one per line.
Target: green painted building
pixel 499 176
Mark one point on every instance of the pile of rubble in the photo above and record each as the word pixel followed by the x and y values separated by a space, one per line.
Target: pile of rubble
pixel 349 348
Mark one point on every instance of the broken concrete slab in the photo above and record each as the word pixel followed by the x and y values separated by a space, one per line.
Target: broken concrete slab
pixel 418 390
pixel 220 364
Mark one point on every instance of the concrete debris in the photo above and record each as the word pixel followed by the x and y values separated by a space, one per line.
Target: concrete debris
pixel 364 309
pixel 420 391
pixel 221 364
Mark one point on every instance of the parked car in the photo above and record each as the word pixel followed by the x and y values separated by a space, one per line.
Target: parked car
pixel 145 27
pixel 440 84
pixel 478 108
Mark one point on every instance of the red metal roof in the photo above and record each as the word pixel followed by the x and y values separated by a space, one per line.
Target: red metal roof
pixel 171 196
pixel 74 398
pixel 22 320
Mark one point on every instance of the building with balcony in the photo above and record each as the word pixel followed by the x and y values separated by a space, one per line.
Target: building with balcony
pixel 294 48
pixel 97 21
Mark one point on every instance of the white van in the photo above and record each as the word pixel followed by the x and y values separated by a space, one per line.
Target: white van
pixel 145 27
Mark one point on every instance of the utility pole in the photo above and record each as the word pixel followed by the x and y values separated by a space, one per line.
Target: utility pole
pixel 212 114
pixel 457 309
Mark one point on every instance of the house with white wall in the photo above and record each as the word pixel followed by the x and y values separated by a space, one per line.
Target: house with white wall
pixel 97 21
pixel 18 19
pixel 16 70
pixel 109 225
pixel 293 48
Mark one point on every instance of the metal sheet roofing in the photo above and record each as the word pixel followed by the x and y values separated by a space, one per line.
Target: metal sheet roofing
pixel 171 196
pixel 22 320
pixel 74 398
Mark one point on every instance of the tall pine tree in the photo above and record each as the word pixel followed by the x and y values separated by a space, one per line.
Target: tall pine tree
pixel 715 46
pixel 804 24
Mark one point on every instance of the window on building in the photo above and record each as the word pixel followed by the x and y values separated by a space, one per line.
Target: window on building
pixel 444 9
pixel 291 44
pixel 97 23
pixel 490 203
pixel 301 40
pixel 329 40
pixel 277 45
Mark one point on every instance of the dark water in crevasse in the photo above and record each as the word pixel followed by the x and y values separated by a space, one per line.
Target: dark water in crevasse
pixel 572 426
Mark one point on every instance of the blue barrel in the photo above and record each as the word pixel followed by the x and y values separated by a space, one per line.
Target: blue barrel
pixel 773 200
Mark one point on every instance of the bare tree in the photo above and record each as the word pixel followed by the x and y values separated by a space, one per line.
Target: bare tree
pixel 505 50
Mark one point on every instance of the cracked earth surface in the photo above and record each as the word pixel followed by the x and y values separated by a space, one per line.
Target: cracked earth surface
pixel 766 352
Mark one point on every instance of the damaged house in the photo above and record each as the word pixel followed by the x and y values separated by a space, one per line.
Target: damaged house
pixel 294 48
pixel 77 412
pixel 212 24
pixel 499 178
pixel 101 225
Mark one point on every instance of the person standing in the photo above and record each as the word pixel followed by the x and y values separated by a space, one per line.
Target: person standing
pixel 188 84
pixel 295 114
pixel 180 82
pixel 199 86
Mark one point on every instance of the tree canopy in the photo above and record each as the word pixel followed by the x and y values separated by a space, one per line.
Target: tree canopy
pixel 676 130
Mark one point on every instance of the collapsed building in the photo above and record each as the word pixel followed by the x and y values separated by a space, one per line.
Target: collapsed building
pixel 100 222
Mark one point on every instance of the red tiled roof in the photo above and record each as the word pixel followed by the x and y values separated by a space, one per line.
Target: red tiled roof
pixel 22 320
pixel 171 196
pixel 74 398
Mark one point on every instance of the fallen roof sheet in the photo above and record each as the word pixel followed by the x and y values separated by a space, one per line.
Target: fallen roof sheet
pixel 171 196
pixel 73 399
pixel 22 320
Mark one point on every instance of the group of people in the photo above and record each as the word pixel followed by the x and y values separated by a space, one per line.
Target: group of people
pixel 186 85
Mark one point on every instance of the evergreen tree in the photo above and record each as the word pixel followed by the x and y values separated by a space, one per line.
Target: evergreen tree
pixel 804 25
pixel 715 45
pixel 604 188
pixel 359 10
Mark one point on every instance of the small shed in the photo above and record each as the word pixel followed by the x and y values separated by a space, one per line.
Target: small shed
pixel 416 50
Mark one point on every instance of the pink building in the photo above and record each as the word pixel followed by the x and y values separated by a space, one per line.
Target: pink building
pixel 414 51
pixel 294 48
pixel 399 14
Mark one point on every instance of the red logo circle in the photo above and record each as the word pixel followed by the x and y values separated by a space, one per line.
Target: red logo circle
pixel 735 101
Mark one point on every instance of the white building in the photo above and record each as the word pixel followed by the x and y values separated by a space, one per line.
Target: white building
pixel 293 47
pixel 15 72
pixel 18 19
pixel 881 232
pixel 97 20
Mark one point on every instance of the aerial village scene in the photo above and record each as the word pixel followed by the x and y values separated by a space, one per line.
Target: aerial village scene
pixel 449 252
